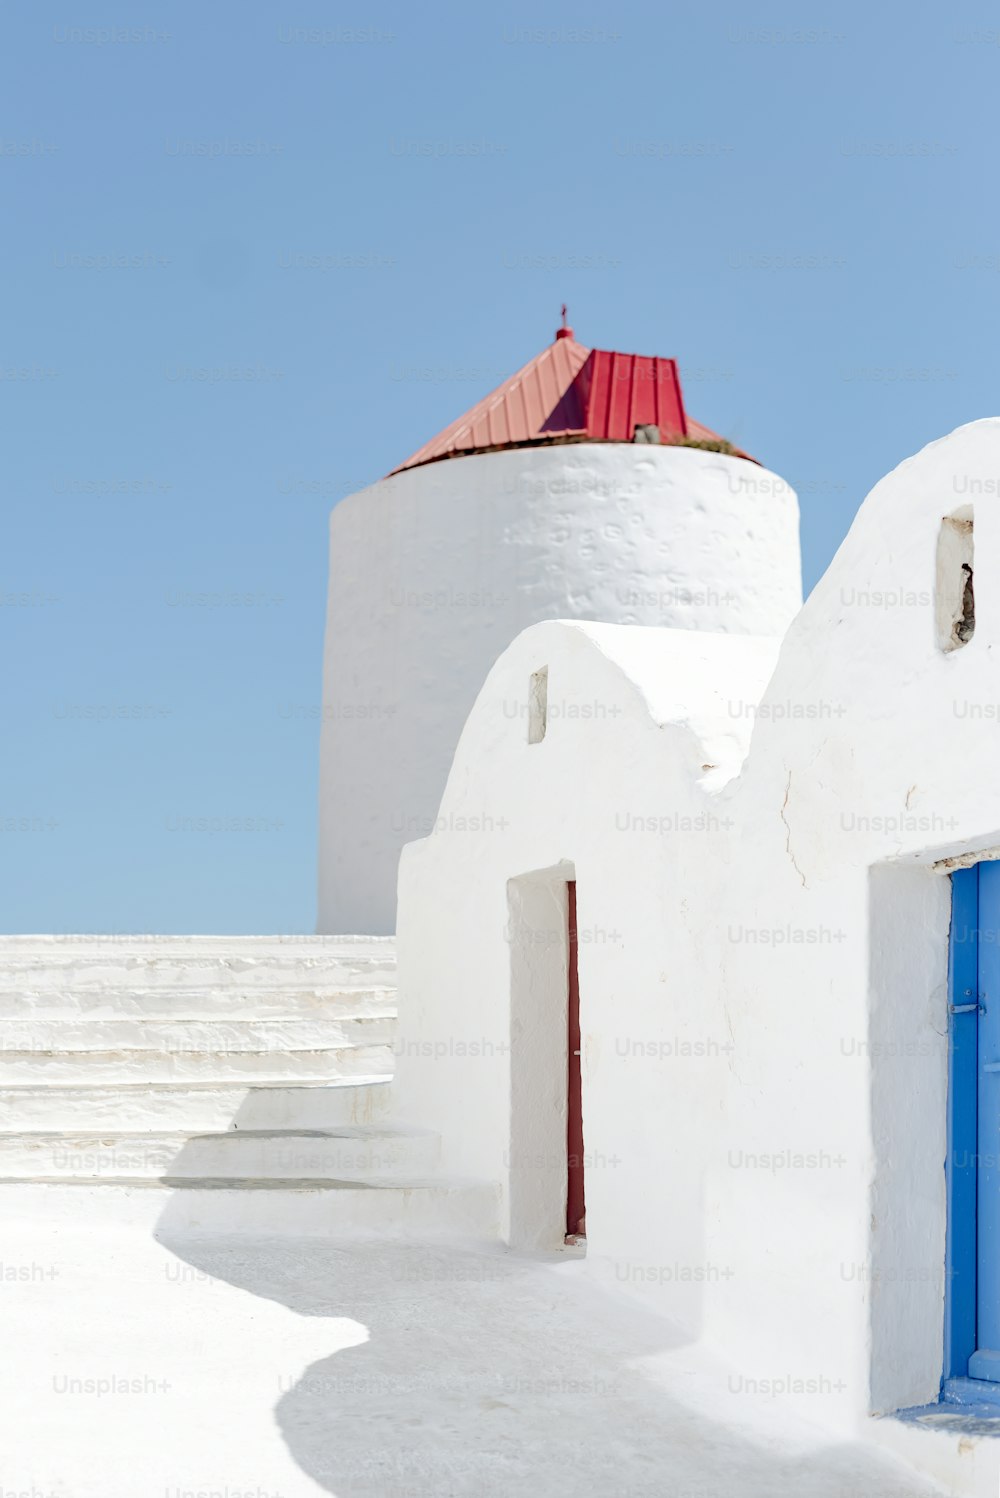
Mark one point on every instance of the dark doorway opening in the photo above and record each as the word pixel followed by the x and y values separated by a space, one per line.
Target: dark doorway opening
pixel 576 1211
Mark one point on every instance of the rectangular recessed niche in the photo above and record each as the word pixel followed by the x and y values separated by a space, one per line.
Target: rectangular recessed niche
pixel 538 704
pixel 954 599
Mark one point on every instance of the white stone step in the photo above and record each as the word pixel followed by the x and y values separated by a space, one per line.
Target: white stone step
pixel 117 1049
pixel 367 1063
pixel 186 1037
pixel 346 1154
pixel 64 962
pixel 235 1001
pixel 210 1106
pixel 435 1209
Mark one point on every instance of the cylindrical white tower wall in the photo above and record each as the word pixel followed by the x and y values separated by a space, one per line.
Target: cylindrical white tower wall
pixel 434 571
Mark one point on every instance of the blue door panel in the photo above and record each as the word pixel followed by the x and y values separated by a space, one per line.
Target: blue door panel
pixel 963 987
pixel 973 1298
pixel 988 1131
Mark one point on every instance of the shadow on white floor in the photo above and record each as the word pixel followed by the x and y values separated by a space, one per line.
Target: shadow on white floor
pixel 482 1373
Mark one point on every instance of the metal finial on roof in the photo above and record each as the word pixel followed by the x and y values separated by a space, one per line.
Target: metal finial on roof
pixel 565 331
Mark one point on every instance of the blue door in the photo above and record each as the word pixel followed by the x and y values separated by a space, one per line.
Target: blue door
pixel 973 1300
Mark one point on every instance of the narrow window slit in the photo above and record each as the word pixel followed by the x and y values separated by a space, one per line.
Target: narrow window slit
pixel 955 599
pixel 538 704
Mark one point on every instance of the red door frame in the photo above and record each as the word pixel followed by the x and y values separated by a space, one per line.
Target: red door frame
pixel 575 1203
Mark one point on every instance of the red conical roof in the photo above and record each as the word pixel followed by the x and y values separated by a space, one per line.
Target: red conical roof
pixel 569 393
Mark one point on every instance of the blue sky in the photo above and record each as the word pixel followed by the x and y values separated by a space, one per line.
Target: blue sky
pixel 256 253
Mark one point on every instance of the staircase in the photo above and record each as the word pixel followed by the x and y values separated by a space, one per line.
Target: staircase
pixel 213 1084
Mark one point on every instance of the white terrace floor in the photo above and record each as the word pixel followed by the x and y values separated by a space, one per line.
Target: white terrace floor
pixel 238 1367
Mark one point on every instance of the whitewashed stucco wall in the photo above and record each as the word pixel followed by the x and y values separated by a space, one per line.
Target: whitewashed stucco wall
pixel 765 1025
pixel 616 795
pixel 434 571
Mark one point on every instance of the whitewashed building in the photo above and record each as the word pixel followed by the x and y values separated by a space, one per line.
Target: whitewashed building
pixel 580 489
pixel 684 967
